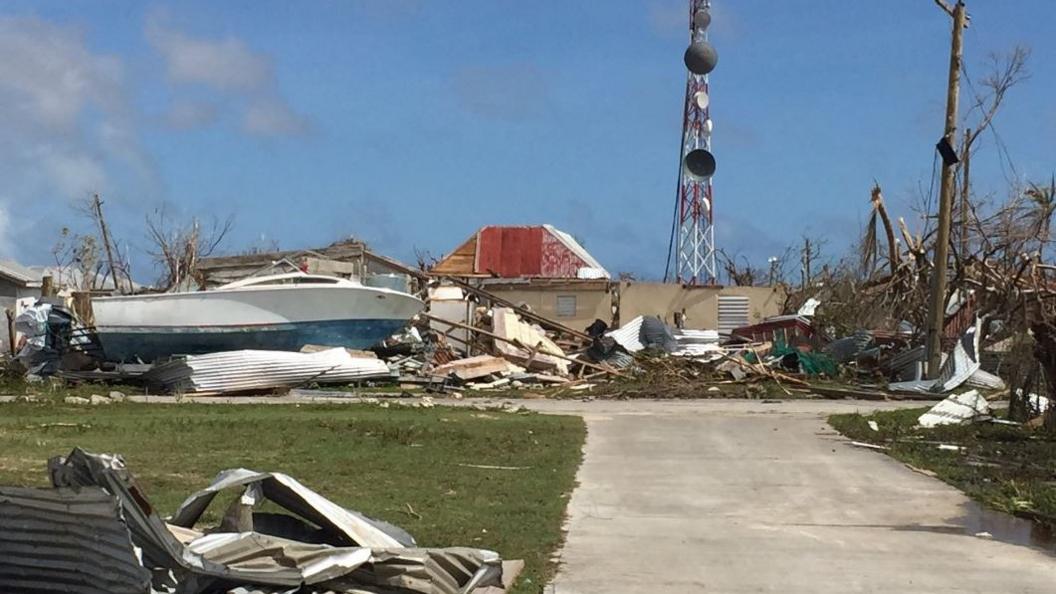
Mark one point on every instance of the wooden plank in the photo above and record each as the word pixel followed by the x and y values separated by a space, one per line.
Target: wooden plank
pixel 473 367
pixel 542 321
pixel 461 261
pixel 517 343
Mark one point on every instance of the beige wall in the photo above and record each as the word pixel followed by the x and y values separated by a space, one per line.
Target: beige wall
pixel 701 304
pixel 592 303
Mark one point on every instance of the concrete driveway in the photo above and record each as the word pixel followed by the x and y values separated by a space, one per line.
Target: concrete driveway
pixel 723 496
pixel 748 496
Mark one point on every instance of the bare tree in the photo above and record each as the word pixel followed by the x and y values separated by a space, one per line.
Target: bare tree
pixel 739 270
pixel 1004 72
pixel 810 259
pixel 178 247
pixel 77 260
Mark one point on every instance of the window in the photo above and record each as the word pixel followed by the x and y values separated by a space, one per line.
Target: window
pixel 566 306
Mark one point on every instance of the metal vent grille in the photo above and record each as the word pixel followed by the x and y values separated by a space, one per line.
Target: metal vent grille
pixel 566 306
pixel 733 312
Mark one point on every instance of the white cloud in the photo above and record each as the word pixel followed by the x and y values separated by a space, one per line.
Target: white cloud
pixel 272 118
pixel 71 173
pixel 229 67
pixel 184 114
pixel 225 64
pixel 49 75
pixel 67 128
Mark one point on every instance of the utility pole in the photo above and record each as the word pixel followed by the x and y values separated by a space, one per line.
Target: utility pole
pixel 97 206
pixel 966 159
pixel 806 262
pixel 937 302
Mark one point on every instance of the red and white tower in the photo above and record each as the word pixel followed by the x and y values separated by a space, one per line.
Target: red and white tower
pixel 694 205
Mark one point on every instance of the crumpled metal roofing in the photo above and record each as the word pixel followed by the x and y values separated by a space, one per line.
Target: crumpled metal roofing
pixel 627 335
pixel 295 496
pixel 228 560
pixel 66 540
pixel 688 343
pixel 958 367
pixel 248 370
pixel 955 410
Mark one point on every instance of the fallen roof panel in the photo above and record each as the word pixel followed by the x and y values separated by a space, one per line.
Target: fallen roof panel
pixel 72 538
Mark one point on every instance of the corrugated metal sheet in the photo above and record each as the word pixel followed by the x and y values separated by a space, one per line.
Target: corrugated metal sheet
pixel 248 370
pixel 956 369
pixel 986 380
pixel 697 343
pixel 65 540
pixel 510 251
pixel 523 252
pixel 734 312
pixel 688 343
pixel 628 334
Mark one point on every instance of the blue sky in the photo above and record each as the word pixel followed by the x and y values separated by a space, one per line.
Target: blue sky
pixel 410 123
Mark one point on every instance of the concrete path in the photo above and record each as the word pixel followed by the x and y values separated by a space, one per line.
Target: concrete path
pixel 735 496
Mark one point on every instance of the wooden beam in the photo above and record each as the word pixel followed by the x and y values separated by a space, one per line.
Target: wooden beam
pixel 520 345
pixel 544 322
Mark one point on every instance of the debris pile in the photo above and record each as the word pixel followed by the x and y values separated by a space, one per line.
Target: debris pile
pixel 469 339
pixel 96 531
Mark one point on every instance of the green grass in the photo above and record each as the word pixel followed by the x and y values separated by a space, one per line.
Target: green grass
pixel 383 462
pixel 1012 469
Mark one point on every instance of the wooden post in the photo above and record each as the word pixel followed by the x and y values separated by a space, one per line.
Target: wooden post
pixel 937 302
pixel 47 286
pixel 469 320
pixel 11 330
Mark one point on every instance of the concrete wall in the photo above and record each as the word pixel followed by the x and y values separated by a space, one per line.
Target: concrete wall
pixel 593 300
pixel 701 304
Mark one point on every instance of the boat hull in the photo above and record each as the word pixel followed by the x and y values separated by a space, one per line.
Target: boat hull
pixel 153 327
pixel 153 343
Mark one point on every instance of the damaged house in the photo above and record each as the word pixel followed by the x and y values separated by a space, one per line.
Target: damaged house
pixel 346 259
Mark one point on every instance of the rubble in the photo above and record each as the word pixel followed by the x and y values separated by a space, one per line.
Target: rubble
pixel 541 354
pixel 95 531
pixel 476 367
pixel 470 339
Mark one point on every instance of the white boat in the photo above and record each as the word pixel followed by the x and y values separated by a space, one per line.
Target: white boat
pixel 282 312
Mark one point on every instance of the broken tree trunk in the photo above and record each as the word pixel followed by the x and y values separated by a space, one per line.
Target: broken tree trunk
pixel 892 248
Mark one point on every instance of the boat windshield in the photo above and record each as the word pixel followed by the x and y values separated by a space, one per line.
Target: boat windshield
pixel 287 280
